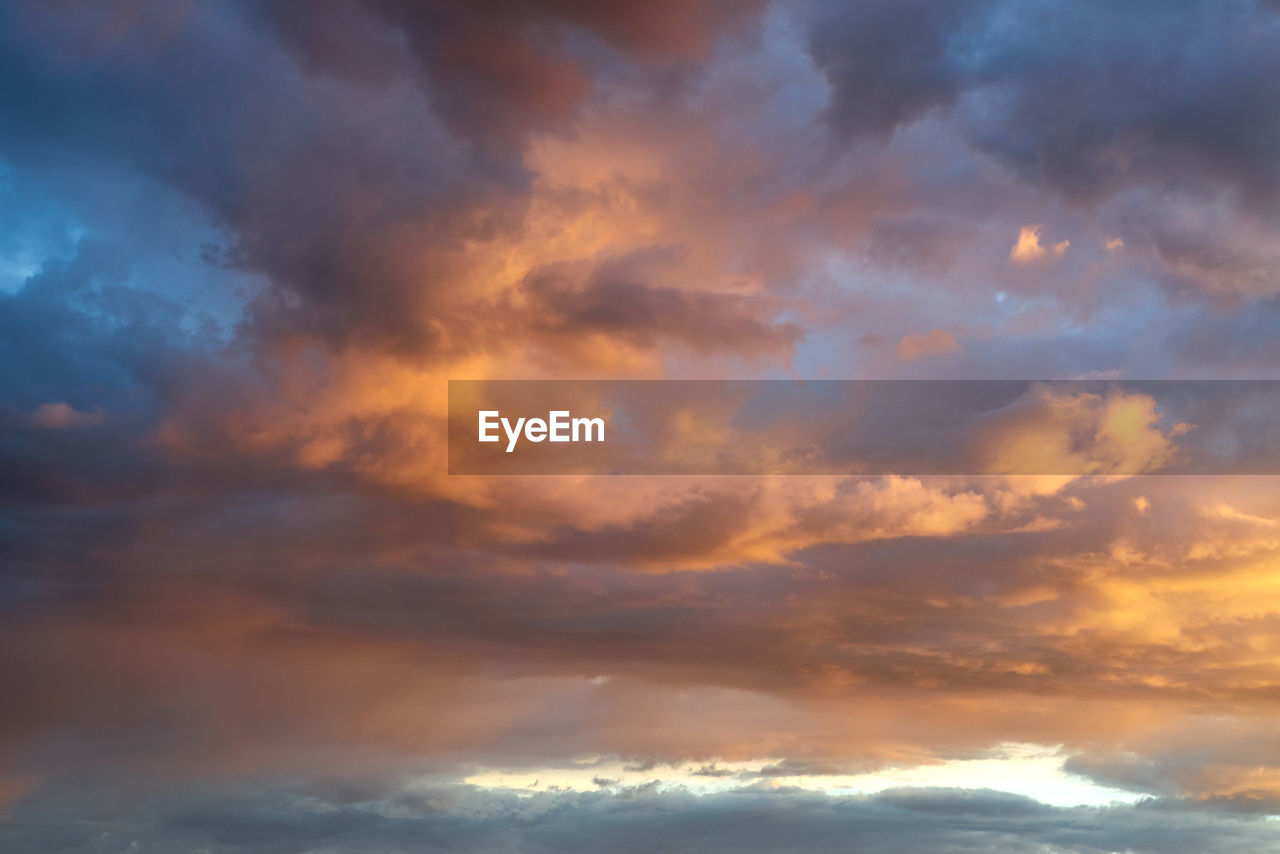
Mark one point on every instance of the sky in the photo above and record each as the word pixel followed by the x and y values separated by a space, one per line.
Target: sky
pixel 244 246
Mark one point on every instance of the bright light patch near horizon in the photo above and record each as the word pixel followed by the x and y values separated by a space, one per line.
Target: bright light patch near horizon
pixel 1034 771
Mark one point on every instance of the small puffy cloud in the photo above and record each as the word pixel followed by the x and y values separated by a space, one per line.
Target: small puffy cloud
pixel 63 416
pixel 919 346
pixel 1028 249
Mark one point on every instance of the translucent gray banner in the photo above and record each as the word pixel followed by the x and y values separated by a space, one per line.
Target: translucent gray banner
pixel 870 427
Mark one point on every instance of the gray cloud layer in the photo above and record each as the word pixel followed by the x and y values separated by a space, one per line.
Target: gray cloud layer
pixel 443 818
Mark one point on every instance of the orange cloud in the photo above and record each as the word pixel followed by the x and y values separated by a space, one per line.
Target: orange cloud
pixel 920 346
pixel 1028 249
pixel 63 416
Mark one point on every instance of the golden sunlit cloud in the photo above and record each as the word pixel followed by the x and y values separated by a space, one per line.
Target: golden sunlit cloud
pixel 1028 248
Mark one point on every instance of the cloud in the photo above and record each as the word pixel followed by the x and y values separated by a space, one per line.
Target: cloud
pixel 1060 116
pixel 1028 249
pixel 63 416
pixel 1056 431
pixel 918 345
pixel 1063 119
pixel 889 63
pixel 438 817
pixel 497 71
pixel 575 307
pixel 251 245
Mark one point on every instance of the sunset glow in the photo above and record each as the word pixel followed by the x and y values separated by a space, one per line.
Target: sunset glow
pixel 253 599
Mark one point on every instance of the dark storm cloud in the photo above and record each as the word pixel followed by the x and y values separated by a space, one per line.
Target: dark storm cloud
pixel 313 192
pixel 456 818
pixel 496 69
pixel 98 358
pixel 890 62
pixel 1091 101
pixel 1087 98
pixel 355 190
pixel 1093 97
